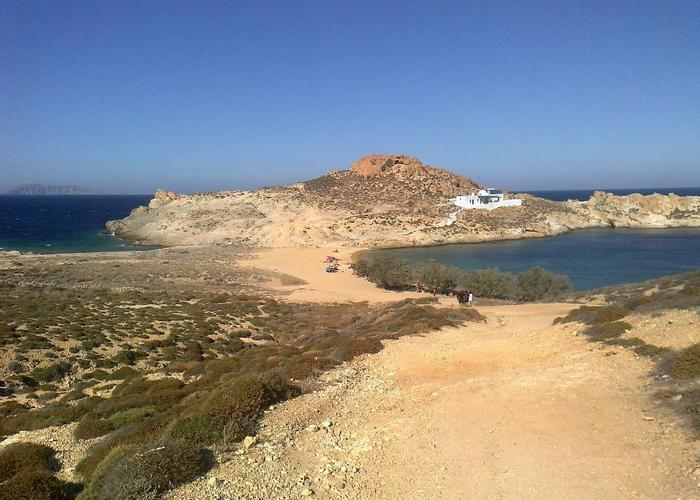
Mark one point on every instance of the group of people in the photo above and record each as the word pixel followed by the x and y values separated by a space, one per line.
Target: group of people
pixel 333 264
pixel 465 297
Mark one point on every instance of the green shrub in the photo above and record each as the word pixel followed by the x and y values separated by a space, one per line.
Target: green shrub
pixel 594 315
pixel 435 276
pixel 144 431
pixel 198 429
pixel 11 408
pixel 492 283
pixel 26 456
pixel 686 363
pixel 192 351
pixel 239 403
pixel 52 414
pixel 52 372
pixel 38 485
pixel 126 357
pixel 640 347
pixel 606 331
pixel 91 426
pixel 538 284
pixel 150 471
pixel 26 472
pixel 386 273
pixel 133 415
pixel 535 284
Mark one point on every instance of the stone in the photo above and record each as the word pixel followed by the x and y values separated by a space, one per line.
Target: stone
pixel 326 424
pixel 306 492
pixel 249 441
pixel 214 481
pixel 312 428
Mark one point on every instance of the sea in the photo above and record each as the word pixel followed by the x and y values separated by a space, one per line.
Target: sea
pixel 591 258
pixel 584 194
pixel 57 224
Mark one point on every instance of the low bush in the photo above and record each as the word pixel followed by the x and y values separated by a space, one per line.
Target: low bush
pixel 640 347
pixel 538 284
pixel 26 456
pixel 435 276
pixel 492 283
pixel 396 274
pixel 594 315
pixel 238 404
pixel 38 485
pixel 91 426
pixel 26 472
pixel 150 471
pixel 685 364
pixel 133 415
pixel 201 429
pixel 605 331
pixel 12 408
pixel 52 372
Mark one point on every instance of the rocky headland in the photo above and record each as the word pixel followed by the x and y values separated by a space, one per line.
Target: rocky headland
pixel 382 201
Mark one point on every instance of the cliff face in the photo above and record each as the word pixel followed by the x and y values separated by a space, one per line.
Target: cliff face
pixel 383 200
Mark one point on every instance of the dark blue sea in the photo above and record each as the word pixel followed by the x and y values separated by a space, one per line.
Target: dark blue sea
pixel 54 224
pixel 584 194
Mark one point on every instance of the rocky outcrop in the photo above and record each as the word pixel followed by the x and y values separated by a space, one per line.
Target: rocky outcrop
pixel 650 211
pixel 161 198
pixel 370 165
pixel 382 201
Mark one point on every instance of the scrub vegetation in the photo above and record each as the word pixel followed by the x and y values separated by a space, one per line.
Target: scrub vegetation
pixel 679 369
pixel 430 275
pixel 163 364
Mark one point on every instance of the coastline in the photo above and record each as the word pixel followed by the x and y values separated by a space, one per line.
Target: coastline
pixel 370 417
pixel 306 215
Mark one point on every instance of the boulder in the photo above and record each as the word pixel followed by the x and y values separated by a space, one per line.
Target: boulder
pixel 370 165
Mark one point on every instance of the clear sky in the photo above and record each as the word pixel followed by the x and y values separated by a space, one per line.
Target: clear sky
pixel 199 95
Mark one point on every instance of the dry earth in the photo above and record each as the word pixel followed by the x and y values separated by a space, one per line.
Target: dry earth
pixel 513 408
pixel 317 285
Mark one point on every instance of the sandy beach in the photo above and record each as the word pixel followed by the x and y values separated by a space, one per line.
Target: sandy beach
pixel 307 264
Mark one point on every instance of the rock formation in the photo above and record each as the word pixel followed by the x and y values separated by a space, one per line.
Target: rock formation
pixel 383 200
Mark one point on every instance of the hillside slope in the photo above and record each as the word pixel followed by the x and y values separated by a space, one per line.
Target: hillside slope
pixel 383 200
pixel 512 408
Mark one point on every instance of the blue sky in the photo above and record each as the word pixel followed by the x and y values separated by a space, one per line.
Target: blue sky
pixel 203 95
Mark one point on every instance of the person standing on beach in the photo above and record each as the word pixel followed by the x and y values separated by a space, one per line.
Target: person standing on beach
pixel 470 298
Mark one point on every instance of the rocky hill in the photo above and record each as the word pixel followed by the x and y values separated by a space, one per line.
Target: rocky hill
pixel 381 201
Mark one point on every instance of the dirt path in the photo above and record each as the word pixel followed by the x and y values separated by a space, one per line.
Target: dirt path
pixel 514 408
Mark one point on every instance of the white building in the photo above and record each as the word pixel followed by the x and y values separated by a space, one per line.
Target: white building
pixel 488 199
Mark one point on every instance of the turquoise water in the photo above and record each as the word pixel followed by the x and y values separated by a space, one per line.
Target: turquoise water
pixel 54 224
pixel 592 258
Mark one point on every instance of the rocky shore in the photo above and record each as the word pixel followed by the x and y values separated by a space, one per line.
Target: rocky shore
pixel 382 201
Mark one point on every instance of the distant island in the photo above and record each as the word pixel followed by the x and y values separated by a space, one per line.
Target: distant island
pixel 50 189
